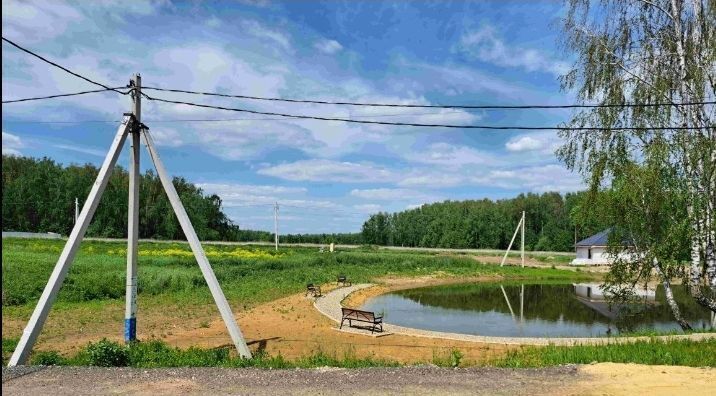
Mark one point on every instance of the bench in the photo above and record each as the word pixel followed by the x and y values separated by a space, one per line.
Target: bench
pixel 343 280
pixel 313 290
pixel 351 314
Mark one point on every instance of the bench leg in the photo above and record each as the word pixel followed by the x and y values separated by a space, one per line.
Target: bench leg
pixel 342 320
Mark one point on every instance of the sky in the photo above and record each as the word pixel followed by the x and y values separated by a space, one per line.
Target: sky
pixel 326 176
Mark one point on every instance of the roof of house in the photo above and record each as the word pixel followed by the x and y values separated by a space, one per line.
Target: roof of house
pixel 599 239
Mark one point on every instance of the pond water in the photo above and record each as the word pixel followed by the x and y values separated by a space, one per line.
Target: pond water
pixel 533 310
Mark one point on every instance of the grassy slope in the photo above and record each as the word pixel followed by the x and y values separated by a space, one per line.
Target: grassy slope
pixel 97 278
pixel 99 270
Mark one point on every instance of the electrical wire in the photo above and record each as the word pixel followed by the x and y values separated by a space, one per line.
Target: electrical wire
pixel 63 95
pixel 486 127
pixel 40 57
pixel 217 119
pixel 438 106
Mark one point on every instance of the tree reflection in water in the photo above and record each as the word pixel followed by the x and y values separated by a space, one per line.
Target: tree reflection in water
pixel 545 309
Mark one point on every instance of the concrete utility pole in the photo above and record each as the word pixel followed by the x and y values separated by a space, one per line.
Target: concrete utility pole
pixel 39 315
pixel 523 238
pixel 130 125
pixel 275 224
pixel 130 313
pixel 520 226
pixel 77 209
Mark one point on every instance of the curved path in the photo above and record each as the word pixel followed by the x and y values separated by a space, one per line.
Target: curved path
pixel 330 306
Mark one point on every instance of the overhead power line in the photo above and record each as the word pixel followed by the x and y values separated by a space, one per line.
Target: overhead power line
pixel 486 127
pixel 40 57
pixel 437 106
pixel 214 119
pixel 62 95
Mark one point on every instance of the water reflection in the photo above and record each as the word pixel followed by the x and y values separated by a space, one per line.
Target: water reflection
pixel 533 310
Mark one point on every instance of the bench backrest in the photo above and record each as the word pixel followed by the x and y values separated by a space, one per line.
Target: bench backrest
pixel 341 278
pixel 356 314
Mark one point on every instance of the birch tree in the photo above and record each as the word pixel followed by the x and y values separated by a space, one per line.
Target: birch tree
pixel 660 54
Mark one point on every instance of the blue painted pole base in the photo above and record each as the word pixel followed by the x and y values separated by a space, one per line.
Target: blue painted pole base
pixel 130 330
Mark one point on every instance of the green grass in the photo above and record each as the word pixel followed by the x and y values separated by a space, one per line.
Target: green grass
pixel 158 354
pixel 155 353
pixel 653 352
pixel 98 273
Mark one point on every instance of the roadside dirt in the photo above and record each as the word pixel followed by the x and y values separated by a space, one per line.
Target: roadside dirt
pixel 633 379
pixel 598 379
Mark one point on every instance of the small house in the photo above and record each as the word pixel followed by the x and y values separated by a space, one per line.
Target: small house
pixel 593 250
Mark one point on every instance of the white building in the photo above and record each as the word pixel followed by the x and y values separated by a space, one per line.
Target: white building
pixel 593 250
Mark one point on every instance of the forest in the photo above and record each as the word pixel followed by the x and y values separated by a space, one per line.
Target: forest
pixel 38 196
pixel 553 223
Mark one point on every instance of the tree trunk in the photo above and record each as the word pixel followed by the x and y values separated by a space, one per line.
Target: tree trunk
pixel 670 297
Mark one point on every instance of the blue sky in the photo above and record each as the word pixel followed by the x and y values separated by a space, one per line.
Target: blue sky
pixel 327 176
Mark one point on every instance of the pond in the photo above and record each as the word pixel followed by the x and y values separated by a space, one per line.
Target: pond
pixel 533 310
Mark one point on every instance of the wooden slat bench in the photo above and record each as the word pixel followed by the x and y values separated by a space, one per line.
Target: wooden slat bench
pixel 351 314
pixel 313 290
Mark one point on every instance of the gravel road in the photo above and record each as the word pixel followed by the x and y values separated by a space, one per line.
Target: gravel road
pixel 321 381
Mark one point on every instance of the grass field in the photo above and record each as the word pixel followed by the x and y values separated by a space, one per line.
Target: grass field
pixel 171 284
pixel 248 274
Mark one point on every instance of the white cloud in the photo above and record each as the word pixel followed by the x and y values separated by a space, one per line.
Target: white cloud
pixel 535 178
pixel 328 46
pixel 540 145
pixel 393 194
pixel 368 208
pixel 485 45
pixel 328 171
pixel 81 149
pixel 11 144
pixel 451 156
pixel 432 179
pixel 37 20
pixel 524 143
pixel 256 29
pixel 236 194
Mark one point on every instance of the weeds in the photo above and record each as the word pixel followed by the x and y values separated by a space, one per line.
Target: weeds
pixel 672 352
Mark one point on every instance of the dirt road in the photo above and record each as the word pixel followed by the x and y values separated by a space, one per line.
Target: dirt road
pixel 601 379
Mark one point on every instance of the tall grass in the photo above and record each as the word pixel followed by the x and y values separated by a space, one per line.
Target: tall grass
pixel 99 270
pixel 671 352
pixel 156 353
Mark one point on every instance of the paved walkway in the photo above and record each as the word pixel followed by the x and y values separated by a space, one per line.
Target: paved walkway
pixel 330 306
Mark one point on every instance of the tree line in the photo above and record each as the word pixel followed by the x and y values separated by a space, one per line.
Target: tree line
pixel 552 223
pixel 38 195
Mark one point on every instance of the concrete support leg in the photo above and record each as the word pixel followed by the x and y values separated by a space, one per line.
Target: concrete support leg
pixel 39 315
pixel 196 247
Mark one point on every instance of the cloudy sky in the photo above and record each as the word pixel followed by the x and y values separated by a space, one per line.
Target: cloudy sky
pixel 326 176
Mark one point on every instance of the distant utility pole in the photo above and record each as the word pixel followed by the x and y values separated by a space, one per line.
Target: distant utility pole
pixel 275 224
pixel 520 228
pixel 523 241
pixel 77 209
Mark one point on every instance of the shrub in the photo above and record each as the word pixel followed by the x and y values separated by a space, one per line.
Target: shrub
pixel 107 353
pixel 49 358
